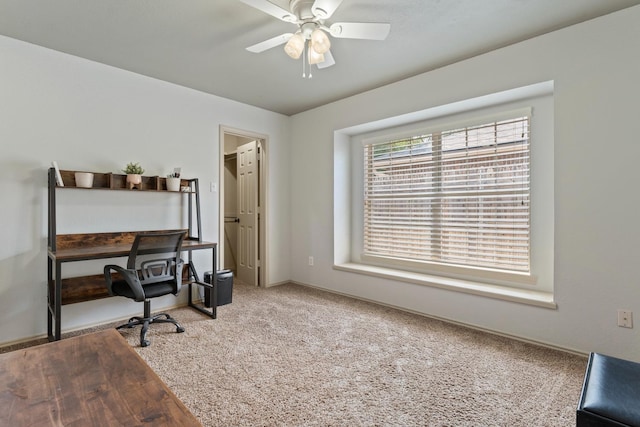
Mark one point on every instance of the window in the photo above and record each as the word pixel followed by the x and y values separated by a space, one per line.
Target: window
pixel 457 197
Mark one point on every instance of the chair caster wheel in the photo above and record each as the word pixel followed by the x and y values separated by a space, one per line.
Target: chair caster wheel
pixel 145 343
pixel 179 329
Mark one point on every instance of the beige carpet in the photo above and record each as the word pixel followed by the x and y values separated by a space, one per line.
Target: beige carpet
pixel 293 356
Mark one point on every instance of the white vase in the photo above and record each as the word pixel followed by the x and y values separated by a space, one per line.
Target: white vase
pixel 173 184
pixel 84 179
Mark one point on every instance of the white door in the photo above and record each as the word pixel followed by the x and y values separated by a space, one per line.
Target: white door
pixel 247 162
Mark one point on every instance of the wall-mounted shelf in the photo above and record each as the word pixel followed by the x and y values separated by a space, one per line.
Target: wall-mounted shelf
pixel 115 181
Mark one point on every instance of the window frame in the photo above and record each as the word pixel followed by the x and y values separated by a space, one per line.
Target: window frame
pixel 348 232
pixel 447 268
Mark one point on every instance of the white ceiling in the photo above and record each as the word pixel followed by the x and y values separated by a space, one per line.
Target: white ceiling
pixel 201 43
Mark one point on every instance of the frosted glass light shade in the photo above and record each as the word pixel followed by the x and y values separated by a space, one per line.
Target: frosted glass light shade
pixel 320 41
pixel 294 46
pixel 314 56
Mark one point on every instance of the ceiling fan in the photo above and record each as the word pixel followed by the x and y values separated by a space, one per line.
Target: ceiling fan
pixel 311 36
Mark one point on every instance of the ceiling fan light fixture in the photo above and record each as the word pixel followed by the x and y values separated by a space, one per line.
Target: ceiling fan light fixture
pixel 313 38
pixel 314 56
pixel 320 41
pixel 295 46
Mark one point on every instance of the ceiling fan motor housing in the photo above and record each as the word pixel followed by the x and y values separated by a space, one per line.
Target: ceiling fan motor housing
pixel 303 10
pixel 307 28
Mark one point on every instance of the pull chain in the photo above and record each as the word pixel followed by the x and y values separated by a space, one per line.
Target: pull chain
pixel 309 47
pixel 303 59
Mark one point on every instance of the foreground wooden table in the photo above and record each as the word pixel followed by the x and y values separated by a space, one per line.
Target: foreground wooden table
pixel 90 380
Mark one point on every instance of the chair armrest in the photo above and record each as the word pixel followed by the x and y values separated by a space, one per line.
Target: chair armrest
pixel 130 276
pixel 179 270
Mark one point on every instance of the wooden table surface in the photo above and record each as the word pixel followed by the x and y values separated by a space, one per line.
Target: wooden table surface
pixel 95 379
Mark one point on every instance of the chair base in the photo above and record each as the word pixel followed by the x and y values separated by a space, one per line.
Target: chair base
pixel 147 320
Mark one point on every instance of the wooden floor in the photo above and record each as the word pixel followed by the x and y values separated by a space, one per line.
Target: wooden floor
pixel 90 380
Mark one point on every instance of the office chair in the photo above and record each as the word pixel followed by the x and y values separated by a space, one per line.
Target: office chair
pixel 145 278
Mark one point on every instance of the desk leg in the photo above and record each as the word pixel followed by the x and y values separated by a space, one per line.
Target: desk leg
pixel 196 280
pixel 58 310
pixel 214 284
pixel 49 296
pixel 54 302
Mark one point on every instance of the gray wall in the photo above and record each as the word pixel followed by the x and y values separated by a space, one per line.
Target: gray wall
pixel 595 68
pixel 88 116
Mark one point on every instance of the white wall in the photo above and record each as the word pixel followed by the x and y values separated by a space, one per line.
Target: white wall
pixel 595 68
pixel 93 117
pixel 88 116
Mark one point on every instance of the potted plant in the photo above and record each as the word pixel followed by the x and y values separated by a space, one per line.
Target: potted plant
pixel 134 172
pixel 173 180
pixel 84 179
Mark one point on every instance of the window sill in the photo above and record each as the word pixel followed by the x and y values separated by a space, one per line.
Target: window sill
pixel 523 296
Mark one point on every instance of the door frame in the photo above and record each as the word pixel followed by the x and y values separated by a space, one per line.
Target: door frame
pixel 263 191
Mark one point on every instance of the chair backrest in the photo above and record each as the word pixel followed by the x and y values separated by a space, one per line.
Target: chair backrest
pixel 167 268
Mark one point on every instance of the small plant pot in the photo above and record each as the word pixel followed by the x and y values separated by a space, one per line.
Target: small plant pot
pixel 173 184
pixel 84 179
pixel 134 180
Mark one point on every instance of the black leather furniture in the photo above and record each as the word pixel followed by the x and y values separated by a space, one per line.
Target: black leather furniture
pixel 610 393
pixel 146 278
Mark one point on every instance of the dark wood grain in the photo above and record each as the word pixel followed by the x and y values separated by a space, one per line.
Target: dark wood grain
pixel 101 246
pixel 114 181
pixel 90 380
pixel 85 288
pixel 89 288
pixel 83 240
pixel 78 247
pixel 88 246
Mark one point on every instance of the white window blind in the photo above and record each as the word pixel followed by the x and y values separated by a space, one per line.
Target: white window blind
pixel 456 197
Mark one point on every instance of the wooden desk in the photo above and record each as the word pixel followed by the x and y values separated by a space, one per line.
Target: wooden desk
pixel 90 380
pixel 91 246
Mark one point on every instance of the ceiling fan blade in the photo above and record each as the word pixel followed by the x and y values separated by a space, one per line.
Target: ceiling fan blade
pixel 271 9
pixel 328 60
pixel 323 9
pixel 268 44
pixel 360 30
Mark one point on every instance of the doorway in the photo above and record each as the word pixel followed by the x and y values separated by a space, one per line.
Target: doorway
pixel 242 198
